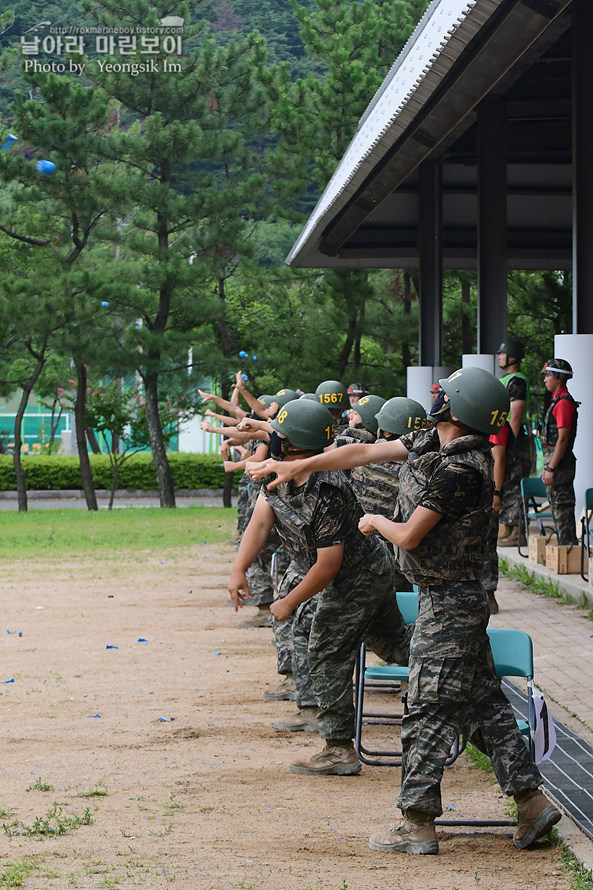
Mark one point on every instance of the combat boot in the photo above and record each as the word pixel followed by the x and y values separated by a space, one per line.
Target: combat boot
pixel 503 530
pixel 415 833
pixel 338 758
pixel 536 816
pixel 285 691
pixel 512 539
pixel 260 619
pixel 305 720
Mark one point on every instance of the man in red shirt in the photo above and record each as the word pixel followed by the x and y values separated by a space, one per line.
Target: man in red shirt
pixel 558 435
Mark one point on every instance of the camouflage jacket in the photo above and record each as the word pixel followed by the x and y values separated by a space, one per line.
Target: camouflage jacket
pixel 455 481
pixel 321 512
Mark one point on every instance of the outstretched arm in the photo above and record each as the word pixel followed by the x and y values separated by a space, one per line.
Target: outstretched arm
pixel 254 404
pixel 336 459
pixel 224 418
pixel 231 407
pixel 259 454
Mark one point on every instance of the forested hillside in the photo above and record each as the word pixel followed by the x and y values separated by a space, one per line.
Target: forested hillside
pixel 182 177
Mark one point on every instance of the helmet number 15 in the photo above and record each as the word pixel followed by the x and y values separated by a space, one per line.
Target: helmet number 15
pixel 498 418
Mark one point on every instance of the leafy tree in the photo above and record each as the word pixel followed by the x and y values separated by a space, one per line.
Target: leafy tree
pixel 354 45
pixel 194 173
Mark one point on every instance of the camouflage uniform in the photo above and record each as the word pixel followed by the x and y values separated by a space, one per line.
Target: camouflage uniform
pixel 259 578
pixel 242 504
pixel 453 683
pixel 359 604
pixel 512 478
pixel 561 494
pixel 283 630
pixel 376 487
pixel 517 386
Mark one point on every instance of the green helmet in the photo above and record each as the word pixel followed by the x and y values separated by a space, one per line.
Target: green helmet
pixel 285 395
pixel 309 395
pixel 332 394
pixel 477 398
pixel 512 348
pixel 266 400
pixel 368 408
pixel 401 415
pixel 306 425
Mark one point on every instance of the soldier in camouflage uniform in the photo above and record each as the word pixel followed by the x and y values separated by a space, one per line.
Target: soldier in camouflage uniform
pixel 351 575
pixel 510 354
pixel 259 574
pixel 376 488
pixel 445 497
pixel 443 511
pixel 558 435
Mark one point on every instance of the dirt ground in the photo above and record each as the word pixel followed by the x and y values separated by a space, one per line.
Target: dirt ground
pixel 133 693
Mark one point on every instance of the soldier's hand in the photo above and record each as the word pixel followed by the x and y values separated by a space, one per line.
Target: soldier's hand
pixel 366 524
pixel 281 610
pixel 238 589
pixel 284 471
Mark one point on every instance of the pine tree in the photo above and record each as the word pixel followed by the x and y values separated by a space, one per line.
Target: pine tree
pixel 190 144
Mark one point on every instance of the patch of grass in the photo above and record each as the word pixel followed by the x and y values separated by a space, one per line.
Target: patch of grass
pixel 33 534
pixel 581 878
pixel 53 824
pixel 98 791
pixel 479 760
pixel 40 785
pixel 16 874
pixel 542 586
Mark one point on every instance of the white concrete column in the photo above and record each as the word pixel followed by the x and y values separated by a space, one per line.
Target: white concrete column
pixel 483 360
pixel 578 350
pixel 420 379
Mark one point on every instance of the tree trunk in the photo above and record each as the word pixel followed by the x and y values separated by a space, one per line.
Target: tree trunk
pixel 83 454
pixel 114 476
pixel 92 440
pixel 159 452
pixel 21 485
pixel 227 499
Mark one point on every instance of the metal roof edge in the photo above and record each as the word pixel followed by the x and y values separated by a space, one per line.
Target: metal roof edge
pixel 446 25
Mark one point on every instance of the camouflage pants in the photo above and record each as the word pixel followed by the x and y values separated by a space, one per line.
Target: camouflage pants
pixel 453 687
pixel 510 501
pixel 283 629
pixel 562 499
pixel 301 632
pixel 490 567
pixel 242 504
pixel 363 607
pixel 259 577
pixel 524 453
pixel 303 622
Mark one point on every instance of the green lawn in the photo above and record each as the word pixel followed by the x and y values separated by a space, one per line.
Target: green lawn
pixel 60 533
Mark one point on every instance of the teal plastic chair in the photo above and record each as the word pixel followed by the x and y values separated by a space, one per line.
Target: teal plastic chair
pixel 586 532
pixel 387 678
pixel 533 496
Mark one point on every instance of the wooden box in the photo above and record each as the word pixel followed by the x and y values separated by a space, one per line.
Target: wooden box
pixel 537 549
pixel 563 560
